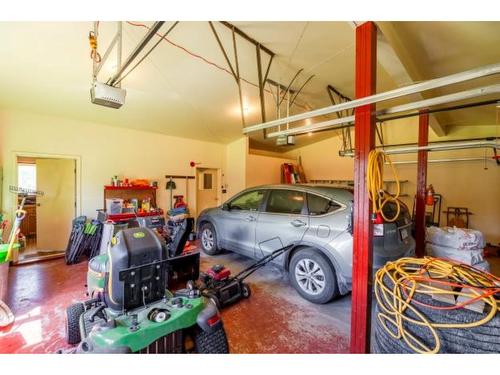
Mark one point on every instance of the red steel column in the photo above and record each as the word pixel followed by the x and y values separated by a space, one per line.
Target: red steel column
pixel 423 138
pixel 364 134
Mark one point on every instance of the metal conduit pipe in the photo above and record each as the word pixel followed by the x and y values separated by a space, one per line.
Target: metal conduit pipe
pixel 434 147
pixel 448 160
pixel 337 123
pixel 396 93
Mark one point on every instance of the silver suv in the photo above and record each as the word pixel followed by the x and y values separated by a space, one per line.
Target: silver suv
pixel 317 220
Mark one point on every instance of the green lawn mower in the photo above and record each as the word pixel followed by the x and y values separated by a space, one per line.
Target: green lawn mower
pixel 131 309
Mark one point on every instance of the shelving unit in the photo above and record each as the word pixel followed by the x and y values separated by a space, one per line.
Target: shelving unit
pixel 127 193
pixel 130 192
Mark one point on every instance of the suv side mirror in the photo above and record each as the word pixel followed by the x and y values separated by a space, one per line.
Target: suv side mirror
pixel 226 207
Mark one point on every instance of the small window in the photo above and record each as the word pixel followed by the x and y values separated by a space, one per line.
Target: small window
pixel 285 202
pixel 207 181
pixel 26 177
pixel 320 206
pixel 249 201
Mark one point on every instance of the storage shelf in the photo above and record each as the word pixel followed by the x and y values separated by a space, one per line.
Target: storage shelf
pixel 110 187
pixel 103 216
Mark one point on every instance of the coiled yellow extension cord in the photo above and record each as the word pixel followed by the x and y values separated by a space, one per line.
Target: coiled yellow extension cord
pixel 375 182
pixel 413 276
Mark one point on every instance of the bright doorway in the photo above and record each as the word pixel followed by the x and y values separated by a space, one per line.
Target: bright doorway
pixel 207 188
pixel 48 187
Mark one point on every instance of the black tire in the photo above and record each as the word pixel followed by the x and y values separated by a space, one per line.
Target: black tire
pixel 305 258
pixel 246 292
pixel 214 342
pixel 481 339
pixel 73 314
pixel 208 230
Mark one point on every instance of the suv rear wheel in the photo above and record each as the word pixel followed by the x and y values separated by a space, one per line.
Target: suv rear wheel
pixel 208 239
pixel 313 276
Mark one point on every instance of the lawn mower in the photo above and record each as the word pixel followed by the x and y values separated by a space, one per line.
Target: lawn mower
pixel 219 286
pixel 131 309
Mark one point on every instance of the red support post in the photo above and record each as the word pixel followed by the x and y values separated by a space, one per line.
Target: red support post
pixel 364 133
pixel 423 138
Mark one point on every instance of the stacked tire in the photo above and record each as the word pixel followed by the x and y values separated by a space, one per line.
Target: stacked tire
pixel 484 338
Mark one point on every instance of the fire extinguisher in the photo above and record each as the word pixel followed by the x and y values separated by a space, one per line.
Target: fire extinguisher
pixel 429 196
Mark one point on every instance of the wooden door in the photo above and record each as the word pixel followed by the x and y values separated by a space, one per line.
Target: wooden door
pixel 56 208
pixel 207 189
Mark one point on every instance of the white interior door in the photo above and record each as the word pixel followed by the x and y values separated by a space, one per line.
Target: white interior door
pixel 56 207
pixel 207 189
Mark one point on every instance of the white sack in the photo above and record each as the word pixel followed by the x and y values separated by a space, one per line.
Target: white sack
pixel 470 257
pixel 458 238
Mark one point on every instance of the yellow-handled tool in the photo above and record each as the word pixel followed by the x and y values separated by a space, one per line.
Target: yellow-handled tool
pixel 20 215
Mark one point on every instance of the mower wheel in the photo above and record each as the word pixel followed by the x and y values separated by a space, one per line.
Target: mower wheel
pixel 246 292
pixel 208 239
pixel 213 297
pixel 73 314
pixel 214 342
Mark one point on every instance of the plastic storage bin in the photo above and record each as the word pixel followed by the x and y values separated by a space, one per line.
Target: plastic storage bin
pixel 114 206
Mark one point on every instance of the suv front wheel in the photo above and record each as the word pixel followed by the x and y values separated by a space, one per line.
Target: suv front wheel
pixel 208 239
pixel 313 276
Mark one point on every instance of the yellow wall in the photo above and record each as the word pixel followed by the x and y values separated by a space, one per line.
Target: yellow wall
pixel 262 170
pixel 234 179
pixel 464 184
pixel 104 151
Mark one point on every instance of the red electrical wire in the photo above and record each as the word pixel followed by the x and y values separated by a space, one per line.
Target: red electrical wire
pixel 193 54
pixel 137 24
pixel 452 307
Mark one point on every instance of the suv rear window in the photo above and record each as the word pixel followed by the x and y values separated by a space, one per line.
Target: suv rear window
pixel 285 202
pixel 320 206
pixel 249 201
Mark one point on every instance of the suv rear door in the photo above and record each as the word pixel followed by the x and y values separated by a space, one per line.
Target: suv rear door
pixel 282 221
pixel 326 219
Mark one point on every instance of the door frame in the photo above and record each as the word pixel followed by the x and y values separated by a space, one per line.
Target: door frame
pixel 218 187
pixel 39 155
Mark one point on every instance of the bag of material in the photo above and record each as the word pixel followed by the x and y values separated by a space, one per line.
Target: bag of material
pixel 458 238
pixel 483 266
pixel 470 257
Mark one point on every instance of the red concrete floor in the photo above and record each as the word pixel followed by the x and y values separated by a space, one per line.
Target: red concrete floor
pixel 273 320
pixel 38 296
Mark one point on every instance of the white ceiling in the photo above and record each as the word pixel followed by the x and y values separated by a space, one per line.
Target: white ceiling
pixel 45 68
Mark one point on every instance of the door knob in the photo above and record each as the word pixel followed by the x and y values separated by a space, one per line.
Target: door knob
pixel 38 205
pixel 298 223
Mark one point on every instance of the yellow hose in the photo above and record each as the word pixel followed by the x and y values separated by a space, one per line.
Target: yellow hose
pixel 413 276
pixel 375 181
